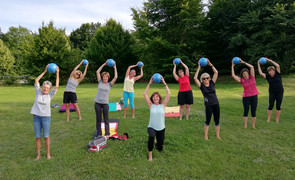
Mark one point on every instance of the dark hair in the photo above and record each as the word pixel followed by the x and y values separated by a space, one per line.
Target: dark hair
pixel 243 70
pixel 156 93
pixel 180 70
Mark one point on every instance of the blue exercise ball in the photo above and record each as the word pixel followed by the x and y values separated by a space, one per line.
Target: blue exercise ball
pixel 236 60
pixel 157 78
pixel 177 61
pixel 111 62
pixel 52 68
pixel 262 60
pixel 85 62
pixel 140 64
pixel 203 62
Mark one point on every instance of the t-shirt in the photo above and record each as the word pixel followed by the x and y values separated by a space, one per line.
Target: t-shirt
pixel 41 105
pixel 275 82
pixel 128 84
pixel 184 84
pixel 157 117
pixel 209 93
pixel 71 85
pixel 102 95
pixel 249 86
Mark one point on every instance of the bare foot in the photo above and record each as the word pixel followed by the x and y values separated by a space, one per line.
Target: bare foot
pixel 253 126
pixel 150 159
pixel 180 119
pixel 68 120
pixel 48 156
pixel 133 117
pixel 245 126
pixel 80 118
pixel 206 138
pixel 124 116
pixel 268 121
pixel 277 121
pixel 37 158
pixel 219 137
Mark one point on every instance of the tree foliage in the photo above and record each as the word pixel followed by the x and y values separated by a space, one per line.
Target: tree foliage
pixel 6 60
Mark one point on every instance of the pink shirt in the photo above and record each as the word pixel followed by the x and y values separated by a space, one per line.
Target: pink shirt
pixel 184 84
pixel 249 86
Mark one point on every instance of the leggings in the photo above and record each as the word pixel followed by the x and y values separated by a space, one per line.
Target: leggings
pixel 160 135
pixel 212 109
pixel 129 95
pixel 250 101
pixel 275 96
pixel 102 109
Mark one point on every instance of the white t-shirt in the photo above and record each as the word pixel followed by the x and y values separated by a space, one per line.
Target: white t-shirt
pixel 41 105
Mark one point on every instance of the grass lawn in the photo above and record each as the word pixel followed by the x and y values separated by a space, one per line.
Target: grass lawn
pixel 267 152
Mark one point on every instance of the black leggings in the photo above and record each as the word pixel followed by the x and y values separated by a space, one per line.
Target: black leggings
pixel 275 96
pixel 160 135
pixel 102 109
pixel 250 101
pixel 212 109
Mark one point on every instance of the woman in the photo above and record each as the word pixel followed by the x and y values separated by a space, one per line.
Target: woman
pixel 70 93
pixel 276 90
pixel 207 86
pixel 250 91
pixel 128 90
pixel 41 111
pixel 185 94
pixel 156 125
pixel 101 99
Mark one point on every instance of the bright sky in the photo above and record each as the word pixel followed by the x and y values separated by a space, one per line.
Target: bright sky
pixel 69 14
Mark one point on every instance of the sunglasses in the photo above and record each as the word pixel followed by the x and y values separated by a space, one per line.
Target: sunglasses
pixel 206 78
pixel 78 74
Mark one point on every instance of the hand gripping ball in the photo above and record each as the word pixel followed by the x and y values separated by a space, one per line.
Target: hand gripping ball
pixel 52 68
pixel 177 61
pixel 203 62
pixel 262 60
pixel 236 60
pixel 140 64
pixel 111 62
pixel 157 78
pixel 85 62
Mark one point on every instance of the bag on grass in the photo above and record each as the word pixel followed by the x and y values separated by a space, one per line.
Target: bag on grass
pixel 97 144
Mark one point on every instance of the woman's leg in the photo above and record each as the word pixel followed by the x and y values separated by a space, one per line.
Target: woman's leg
pixel 46 129
pixel 254 102
pixel 188 108
pixel 105 109
pixel 68 111
pixel 160 136
pixel 181 107
pixel 98 113
pixel 131 99
pixel 152 134
pixel 246 103
pixel 208 114
pixel 125 99
pixel 38 147
pixel 271 101
pixel 47 144
pixel 77 110
pixel 216 114
pixel 279 100
pixel 37 130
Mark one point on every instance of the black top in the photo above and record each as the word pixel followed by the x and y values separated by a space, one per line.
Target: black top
pixel 275 82
pixel 209 93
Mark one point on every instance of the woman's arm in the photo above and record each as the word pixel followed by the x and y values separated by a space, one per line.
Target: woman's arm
pixel 174 72
pixel 57 79
pixel 259 70
pixel 98 71
pixel 141 74
pixel 215 75
pixel 129 68
pixel 145 94
pixel 237 78
pixel 84 73
pixel 196 76
pixel 166 100
pixel 76 68
pixel 252 72
pixel 41 75
pixel 275 64
pixel 116 75
pixel 185 67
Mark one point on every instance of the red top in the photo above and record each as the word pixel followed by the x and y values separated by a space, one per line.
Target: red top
pixel 249 86
pixel 184 84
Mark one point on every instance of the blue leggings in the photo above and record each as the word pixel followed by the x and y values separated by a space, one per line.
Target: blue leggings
pixel 129 95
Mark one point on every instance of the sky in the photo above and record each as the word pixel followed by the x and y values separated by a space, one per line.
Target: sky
pixel 68 14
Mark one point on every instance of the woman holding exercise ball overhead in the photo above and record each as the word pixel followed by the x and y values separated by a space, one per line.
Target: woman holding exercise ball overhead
pixel 156 125
pixel 276 90
pixel 207 86
pixel 128 89
pixel 185 94
pixel 70 95
pixel 250 91
pixel 101 99
pixel 41 111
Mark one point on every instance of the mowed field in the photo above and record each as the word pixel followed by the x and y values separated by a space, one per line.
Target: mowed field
pixel 267 152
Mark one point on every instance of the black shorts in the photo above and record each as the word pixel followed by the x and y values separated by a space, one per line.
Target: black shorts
pixel 185 97
pixel 70 97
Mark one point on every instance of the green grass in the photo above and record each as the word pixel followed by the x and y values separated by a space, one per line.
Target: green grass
pixel 265 153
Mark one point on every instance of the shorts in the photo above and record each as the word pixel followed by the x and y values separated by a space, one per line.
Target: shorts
pixel 185 97
pixel 69 97
pixel 41 122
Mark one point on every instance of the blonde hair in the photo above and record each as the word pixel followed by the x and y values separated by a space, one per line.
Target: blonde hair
pixel 204 74
pixel 74 75
pixel 105 73
pixel 271 67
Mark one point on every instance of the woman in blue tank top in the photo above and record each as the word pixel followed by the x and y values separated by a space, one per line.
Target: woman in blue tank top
pixel 156 125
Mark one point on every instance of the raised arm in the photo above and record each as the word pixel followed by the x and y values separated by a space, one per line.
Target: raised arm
pixel 141 74
pixel 116 75
pixel 166 100
pixel 98 71
pixel 57 79
pixel 185 67
pixel 145 94
pixel 41 75
pixel 84 73
pixel 129 68
pixel 237 78
pixel 275 64
pixel 252 72
pixel 174 72
pixel 259 70
pixel 196 76
pixel 215 75
pixel 75 69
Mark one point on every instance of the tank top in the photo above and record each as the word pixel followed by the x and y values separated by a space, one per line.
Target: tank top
pixel 71 85
pixel 249 86
pixel 157 117
pixel 128 84
pixel 184 84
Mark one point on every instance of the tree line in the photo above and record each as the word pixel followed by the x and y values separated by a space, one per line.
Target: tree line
pixel 163 30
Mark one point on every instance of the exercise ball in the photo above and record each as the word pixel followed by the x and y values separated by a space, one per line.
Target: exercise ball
pixel 52 68
pixel 262 60
pixel 157 78
pixel 85 62
pixel 111 62
pixel 140 64
pixel 236 60
pixel 203 62
pixel 177 61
